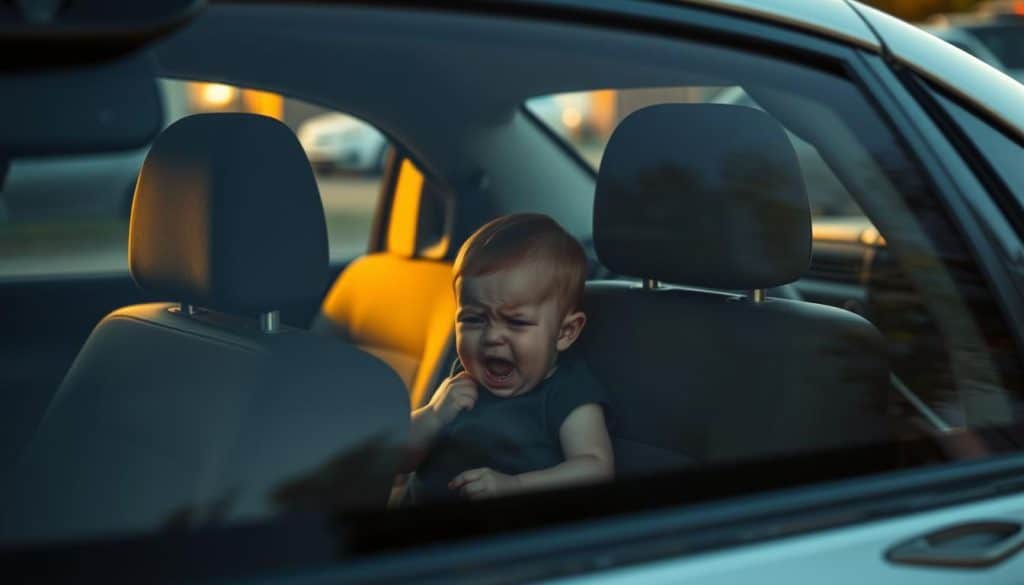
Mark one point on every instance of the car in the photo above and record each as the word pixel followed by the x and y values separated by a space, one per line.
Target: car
pixel 994 34
pixel 964 40
pixel 799 385
pixel 340 142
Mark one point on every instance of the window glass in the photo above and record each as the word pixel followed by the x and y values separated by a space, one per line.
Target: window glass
pixel 69 214
pixel 852 266
pixel 1006 155
pixel 688 375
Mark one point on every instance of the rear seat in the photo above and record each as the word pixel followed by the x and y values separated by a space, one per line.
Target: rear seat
pixel 398 304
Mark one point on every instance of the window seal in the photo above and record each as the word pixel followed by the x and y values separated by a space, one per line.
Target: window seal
pixel 983 170
pixel 307 543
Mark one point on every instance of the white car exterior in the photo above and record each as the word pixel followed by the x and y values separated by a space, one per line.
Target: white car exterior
pixel 340 142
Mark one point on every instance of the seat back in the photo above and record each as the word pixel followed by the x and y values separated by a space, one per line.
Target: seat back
pixel 401 310
pixel 712 196
pixel 209 410
pixel 398 304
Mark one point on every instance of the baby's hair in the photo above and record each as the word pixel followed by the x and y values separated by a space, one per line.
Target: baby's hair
pixel 512 239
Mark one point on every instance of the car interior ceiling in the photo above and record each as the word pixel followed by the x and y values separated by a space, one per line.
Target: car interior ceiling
pixel 452 142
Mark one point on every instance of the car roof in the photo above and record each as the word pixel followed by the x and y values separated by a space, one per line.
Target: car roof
pixel 835 19
pixel 984 87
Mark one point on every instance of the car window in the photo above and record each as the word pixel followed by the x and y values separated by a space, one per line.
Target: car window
pixel 692 373
pixel 69 214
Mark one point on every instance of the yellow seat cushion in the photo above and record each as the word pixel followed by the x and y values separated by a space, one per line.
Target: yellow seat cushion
pixel 399 309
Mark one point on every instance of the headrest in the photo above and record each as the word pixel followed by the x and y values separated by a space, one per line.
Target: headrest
pixel 703 195
pixel 227 215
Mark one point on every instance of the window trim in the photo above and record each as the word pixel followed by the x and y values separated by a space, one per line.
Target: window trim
pixel 312 549
pixel 989 236
pixel 993 182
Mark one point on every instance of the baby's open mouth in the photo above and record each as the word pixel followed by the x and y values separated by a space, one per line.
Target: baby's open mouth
pixel 499 368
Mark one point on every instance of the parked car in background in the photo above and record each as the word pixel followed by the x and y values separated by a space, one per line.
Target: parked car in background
pixel 994 34
pixel 339 142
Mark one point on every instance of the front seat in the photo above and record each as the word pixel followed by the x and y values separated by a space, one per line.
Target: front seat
pixel 208 409
pixel 711 196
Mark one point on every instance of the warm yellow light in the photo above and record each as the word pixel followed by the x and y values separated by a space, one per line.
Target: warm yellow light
pixel 264 103
pixel 216 95
pixel 405 210
pixel 572 118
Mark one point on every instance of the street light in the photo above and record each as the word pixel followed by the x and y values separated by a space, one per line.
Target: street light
pixel 216 95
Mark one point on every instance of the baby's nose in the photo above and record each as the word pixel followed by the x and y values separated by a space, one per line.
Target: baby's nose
pixel 494 335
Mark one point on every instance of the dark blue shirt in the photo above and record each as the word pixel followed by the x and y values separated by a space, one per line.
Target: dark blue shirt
pixel 511 435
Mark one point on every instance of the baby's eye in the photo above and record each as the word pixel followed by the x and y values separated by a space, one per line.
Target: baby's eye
pixel 471 319
pixel 519 323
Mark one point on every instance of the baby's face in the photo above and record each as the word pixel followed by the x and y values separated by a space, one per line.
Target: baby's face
pixel 507 338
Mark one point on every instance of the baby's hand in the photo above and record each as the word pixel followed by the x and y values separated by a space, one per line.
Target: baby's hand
pixel 455 394
pixel 483 483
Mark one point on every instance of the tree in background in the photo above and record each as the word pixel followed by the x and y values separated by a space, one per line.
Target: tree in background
pixel 919 10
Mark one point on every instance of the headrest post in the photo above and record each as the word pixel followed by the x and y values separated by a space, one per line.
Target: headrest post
pixel 650 284
pixel 758 295
pixel 270 322
pixel 187 309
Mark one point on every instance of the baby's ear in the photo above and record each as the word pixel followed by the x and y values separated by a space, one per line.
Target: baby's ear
pixel 569 331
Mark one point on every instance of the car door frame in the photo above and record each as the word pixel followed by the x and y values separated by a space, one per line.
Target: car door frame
pixel 992 239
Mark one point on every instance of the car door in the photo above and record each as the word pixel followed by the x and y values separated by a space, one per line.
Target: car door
pixel 868 511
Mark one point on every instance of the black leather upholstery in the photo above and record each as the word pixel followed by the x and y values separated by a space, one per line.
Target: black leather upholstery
pixel 227 215
pixel 168 420
pixel 698 377
pixel 703 195
pixel 712 196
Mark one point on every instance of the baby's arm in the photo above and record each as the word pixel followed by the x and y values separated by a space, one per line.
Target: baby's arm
pixel 588 458
pixel 454 395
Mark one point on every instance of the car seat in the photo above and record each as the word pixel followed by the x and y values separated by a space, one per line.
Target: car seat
pixel 398 304
pixel 711 196
pixel 208 409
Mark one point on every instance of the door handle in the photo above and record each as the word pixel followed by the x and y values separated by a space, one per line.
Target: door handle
pixel 971 544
